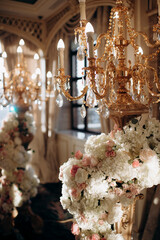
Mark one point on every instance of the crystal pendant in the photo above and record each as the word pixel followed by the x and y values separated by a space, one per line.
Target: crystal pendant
pixel 59 100
pixel 80 53
pixel 105 111
pixel 65 86
pixel 83 111
pixel 68 85
pixel 143 99
pixel 75 40
pixel 99 110
pixel 55 87
pixel 4 102
pixel 91 99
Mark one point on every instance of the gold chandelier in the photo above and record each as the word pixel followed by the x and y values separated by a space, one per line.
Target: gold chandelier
pixel 19 88
pixel 119 86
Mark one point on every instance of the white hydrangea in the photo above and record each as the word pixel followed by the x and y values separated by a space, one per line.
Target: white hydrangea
pixel 111 173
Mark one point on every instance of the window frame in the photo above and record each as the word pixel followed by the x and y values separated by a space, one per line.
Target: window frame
pixel 75 105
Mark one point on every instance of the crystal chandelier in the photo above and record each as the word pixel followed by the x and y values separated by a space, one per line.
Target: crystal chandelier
pixel 116 84
pixel 19 88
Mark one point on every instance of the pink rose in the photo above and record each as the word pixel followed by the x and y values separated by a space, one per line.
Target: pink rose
pixel 109 148
pixel 20 174
pixel 74 170
pixel 75 229
pixel 104 216
pixel 110 143
pixel 75 193
pixel 83 218
pixel 86 161
pixel 118 191
pixel 101 222
pixel 82 186
pixel 109 179
pixel 94 162
pixel 147 154
pixel 133 189
pixel 113 184
pixel 116 128
pixel 78 155
pixel 135 163
pixel 111 153
pixel 95 237
pixel 129 195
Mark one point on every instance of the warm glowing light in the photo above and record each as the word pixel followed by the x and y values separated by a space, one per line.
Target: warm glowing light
pixel 140 51
pixel 156 201
pixel 33 76
pixel 38 71
pixel 6 75
pixel 19 49
pixel 36 56
pixel 21 42
pixel 60 44
pixel 116 15
pixel 4 55
pixel 89 28
pixel 49 74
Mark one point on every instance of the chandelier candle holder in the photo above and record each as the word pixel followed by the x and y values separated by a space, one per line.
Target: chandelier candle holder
pixel 123 89
pixel 116 84
pixel 20 88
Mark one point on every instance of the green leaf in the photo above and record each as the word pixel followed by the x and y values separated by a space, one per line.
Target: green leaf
pixel 134 120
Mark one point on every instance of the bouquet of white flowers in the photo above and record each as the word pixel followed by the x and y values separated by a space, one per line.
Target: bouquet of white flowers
pixel 18 182
pixel 114 169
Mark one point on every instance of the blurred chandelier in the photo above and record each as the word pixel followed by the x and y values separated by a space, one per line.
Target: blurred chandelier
pixel 117 85
pixel 19 88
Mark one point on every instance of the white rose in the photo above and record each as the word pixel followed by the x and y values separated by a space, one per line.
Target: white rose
pixel 81 175
pixel 15 123
pixel 115 214
pixel 17 141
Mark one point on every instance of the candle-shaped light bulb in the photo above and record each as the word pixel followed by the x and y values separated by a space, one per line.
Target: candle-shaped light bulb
pixel 140 51
pixel 38 71
pixel 60 48
pixel 116 19
pixel 36 56
pixel 21 42
pixel 49 74
pixel 82 7
pixel 4 54
pixel 19 54
pixel 60 44
pixel 19 49
pixel 49 78
pixel 90 32
pixel 89 28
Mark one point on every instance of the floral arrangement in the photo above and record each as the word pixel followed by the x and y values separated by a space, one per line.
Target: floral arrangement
pixel 114 169
pixel 18 183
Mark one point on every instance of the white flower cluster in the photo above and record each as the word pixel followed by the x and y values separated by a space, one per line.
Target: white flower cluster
pixel 18 182
pixel 112 172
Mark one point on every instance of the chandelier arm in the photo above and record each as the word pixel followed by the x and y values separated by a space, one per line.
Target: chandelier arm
pixel 155 81
pixel 100 37
pixel 98 95
pixel 148 43
pixel 71 98
pixel 151 56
